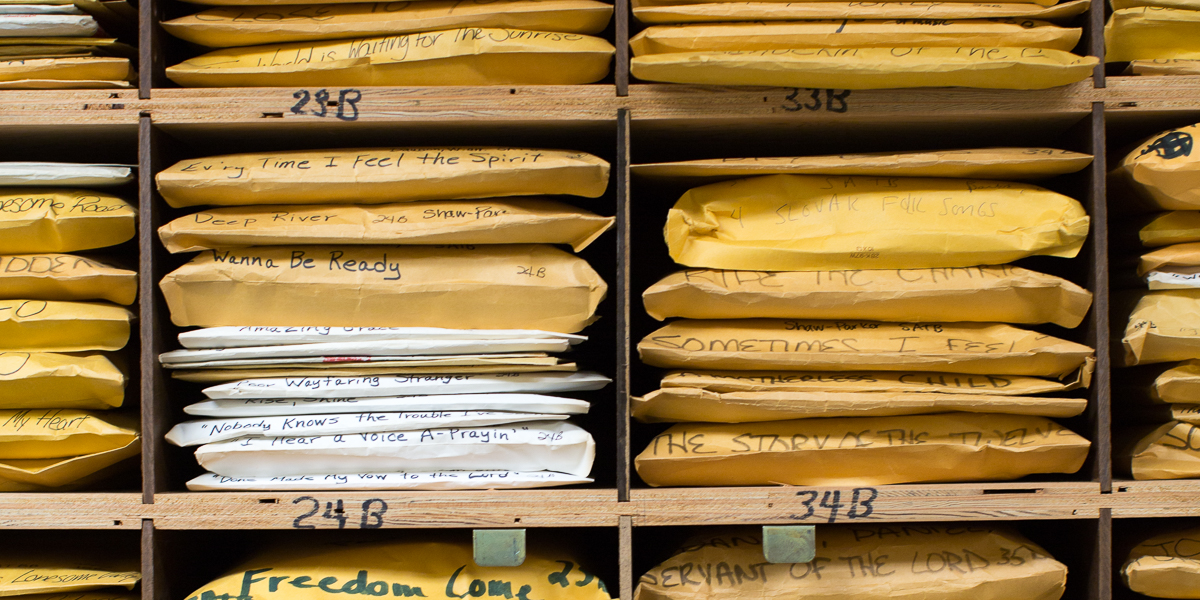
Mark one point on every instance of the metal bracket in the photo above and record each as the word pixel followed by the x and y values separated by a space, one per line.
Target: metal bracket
pixel 498 547
pixel 789 543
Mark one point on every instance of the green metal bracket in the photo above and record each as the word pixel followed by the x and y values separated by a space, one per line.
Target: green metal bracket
pixel 499 547
pixel 789 543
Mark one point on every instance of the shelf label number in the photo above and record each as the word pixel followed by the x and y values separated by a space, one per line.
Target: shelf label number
pixel 373 510
pixel 831 506
pixel 813 99
pixel 346 103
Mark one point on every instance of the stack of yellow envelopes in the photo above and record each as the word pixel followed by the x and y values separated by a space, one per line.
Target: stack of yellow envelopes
pixel 849 320
pixel 56 44
pixel 429 42
pixel 855 45
pixel 61 317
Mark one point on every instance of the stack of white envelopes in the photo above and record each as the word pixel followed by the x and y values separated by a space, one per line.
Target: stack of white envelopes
pixel 396 429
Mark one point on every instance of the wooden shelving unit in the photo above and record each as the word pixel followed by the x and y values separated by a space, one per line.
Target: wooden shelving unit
pixel 624 122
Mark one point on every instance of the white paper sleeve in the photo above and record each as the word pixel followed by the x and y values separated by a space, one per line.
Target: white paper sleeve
pixel 236 337
pixel 537 446
pixel 37 9
pixel 407 385
pixel 269 407
pixel 439 480
pixel 1167 280
pixel 63 174
pixel 47 25
pixel 387 348
pixel 194 433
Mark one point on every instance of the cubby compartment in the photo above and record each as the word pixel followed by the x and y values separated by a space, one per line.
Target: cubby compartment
pixel 1134 413
pixel 1075 543
pixel 109 143
pixel 187 560
pixel 1130 533
pixel 666 140
pixel 172 143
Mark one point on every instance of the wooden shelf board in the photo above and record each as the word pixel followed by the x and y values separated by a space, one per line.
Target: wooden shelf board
pixel 669 101
pixel 938 502
pixel 24 108
pixel 71 511
pixel 255 105
pixel 1143 94
pixel 266 510
pixel 1164 498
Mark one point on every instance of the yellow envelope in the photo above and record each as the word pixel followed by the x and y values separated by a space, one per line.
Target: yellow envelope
pixel 461 287
pixel 23 573
pixel 745 344
pixel 380 176
pixel 1002 293
pixel 861 451
pixel 1179 4
pixel 52 326
pixel 52 84
pixel 1170 258
pixel 58 433
pixel 64 277
pixel 1175 227
pixel 48 380
pixel 871 68
pixel 1169 452
pixel 1165 66
pixel 1150 32
pixel 67 69
pixel 488 221
pixel 1165 566
pixel 668 12
pixel 100 595
pixel 252 25
pixel 1165 170
pixel 926 561
pixel 876 381
pixel 59 220
pixel 1164 327
pixel 406 567
pixel 980 163
pixel 680 404
pixel 57 472
pixel 811 222
pixel 1179 384
pixel 468 56
pixel 857 33
pixel 1186 413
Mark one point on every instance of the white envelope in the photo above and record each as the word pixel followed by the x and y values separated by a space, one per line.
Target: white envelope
pixel 269 407
pixel 407 385
pixel 406 480
pixel 236 337
pixel 537 446
pixel 194 433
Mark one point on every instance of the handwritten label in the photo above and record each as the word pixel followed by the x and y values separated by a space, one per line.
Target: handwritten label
pixel 371 514
pixel 347 103
pixel 832 505
pixel 814 99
